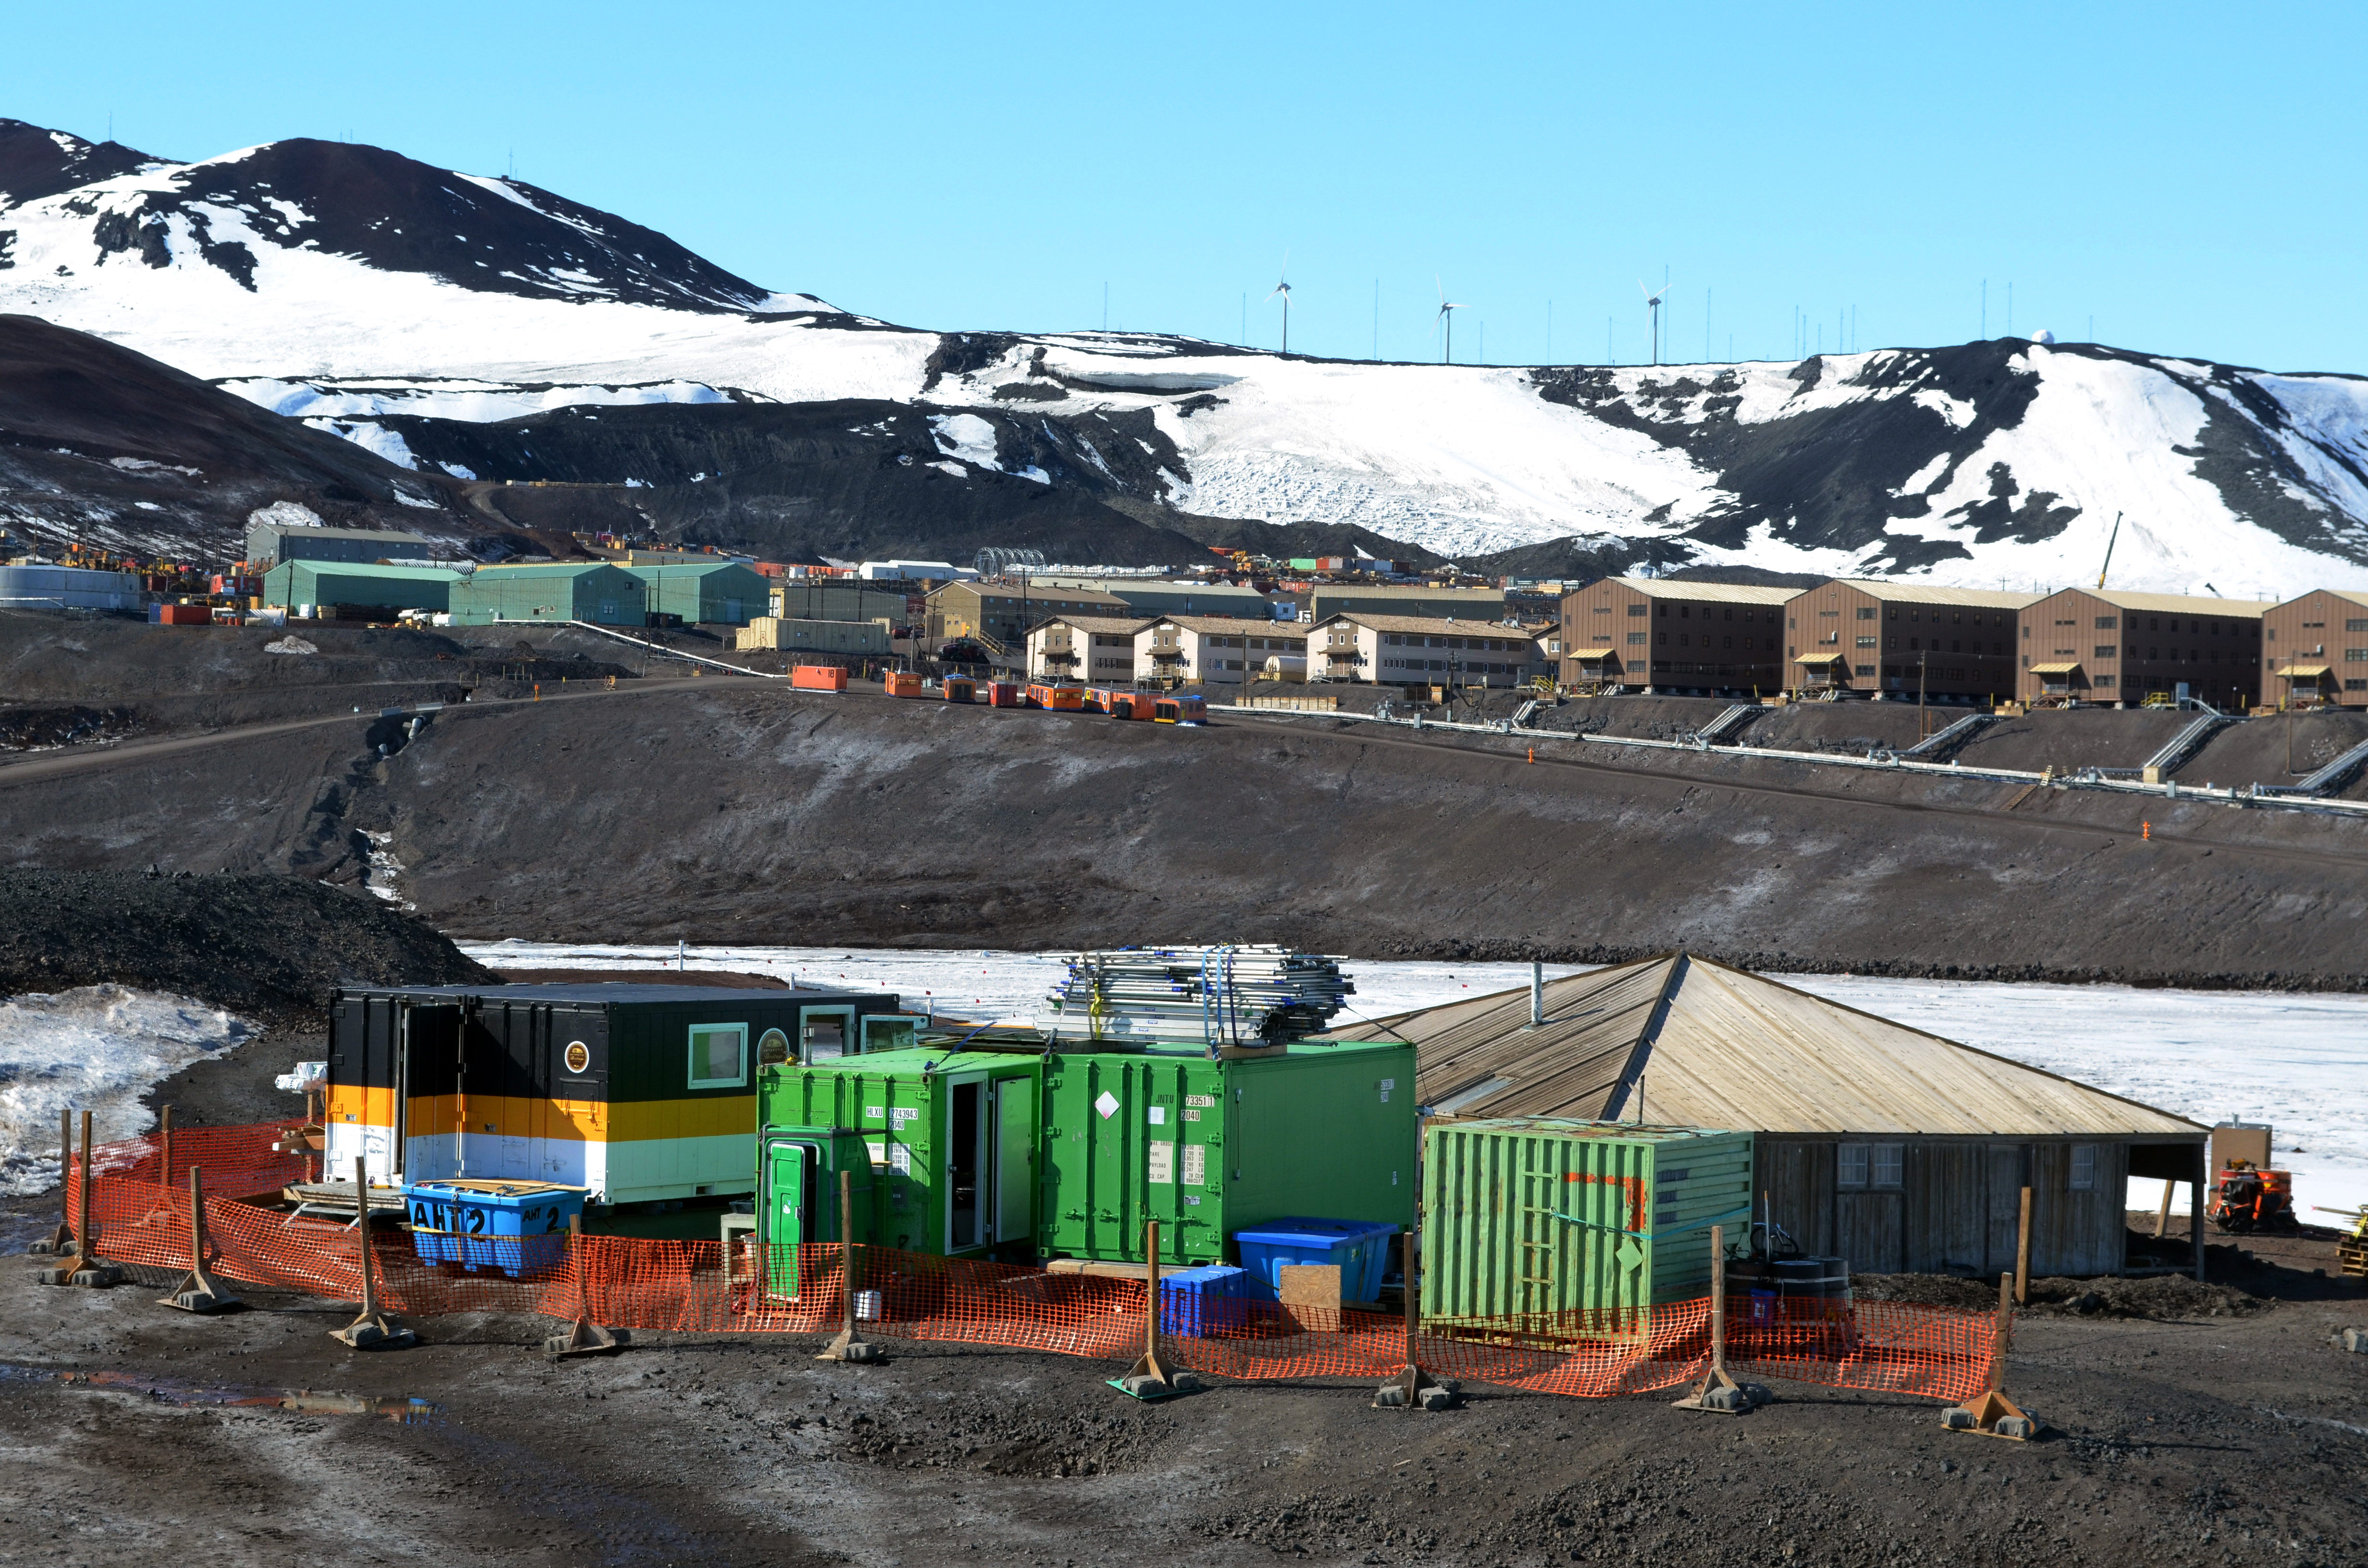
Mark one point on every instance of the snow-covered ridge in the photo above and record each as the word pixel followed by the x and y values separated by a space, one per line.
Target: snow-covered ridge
pixel 350 286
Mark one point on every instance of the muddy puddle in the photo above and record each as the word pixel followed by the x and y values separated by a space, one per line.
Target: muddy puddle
pixel 180 1393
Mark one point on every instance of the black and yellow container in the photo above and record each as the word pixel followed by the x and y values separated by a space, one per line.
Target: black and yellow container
pixel 634 1093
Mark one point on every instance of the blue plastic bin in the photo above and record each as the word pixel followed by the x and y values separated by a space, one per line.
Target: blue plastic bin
pixel 1361 1248
pixel 517 1227
pixel 1196 1302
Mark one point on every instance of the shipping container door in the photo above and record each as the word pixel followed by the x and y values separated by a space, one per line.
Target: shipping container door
pixel 1015 1159
pixel 783 1207
pixel 477 1102
pixel 967 1158
pixel 427 1044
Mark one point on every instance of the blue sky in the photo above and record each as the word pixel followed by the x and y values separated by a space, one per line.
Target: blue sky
pixel 2189 180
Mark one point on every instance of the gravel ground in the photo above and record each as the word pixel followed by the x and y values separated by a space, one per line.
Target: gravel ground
pixel 2174 1441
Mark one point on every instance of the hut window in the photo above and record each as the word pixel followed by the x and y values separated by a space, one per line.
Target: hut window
pixel 2084 1168
pixel 1887 1161
pixel 1851 1169
pixel 718 1056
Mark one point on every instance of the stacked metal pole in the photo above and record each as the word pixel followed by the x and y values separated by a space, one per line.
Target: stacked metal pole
pixel 1216 995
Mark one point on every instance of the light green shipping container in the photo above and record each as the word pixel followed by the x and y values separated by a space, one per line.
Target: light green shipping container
pixel 1316 1131
pixel 1540 1215
pixel 942 1151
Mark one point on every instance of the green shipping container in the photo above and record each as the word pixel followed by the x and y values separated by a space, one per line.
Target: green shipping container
pixel 942 1152
pixel 1534 1215
pixel 1209 1148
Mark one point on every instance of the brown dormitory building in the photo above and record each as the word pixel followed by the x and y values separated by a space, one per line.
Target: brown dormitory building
pixel 2315 649
pixel 1899 639
pixel 2081 646
pixel 1005 611
pixel 1661 635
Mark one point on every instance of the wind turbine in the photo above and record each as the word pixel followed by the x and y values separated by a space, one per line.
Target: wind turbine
pixel 1653 303
pixel 1283 289
pixel 1447 354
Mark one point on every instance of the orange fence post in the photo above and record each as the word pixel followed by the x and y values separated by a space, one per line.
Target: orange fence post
pixel 1149 1377
pixel 846 1345
pixel 585 1337
pixel 197 1292
pixel 1718 1390
pixel 1994 1414
pixel 372 1330
pixel 1410 1386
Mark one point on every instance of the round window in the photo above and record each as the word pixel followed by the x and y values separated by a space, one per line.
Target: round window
pixel 579 1056
pixel 772 1049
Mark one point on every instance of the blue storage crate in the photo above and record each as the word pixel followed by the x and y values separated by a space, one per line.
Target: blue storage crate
pixel 1196 1302
pixel 517 1227
pixel 1361 1248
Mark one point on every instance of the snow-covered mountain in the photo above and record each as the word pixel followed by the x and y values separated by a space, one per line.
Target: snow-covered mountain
pixel 419 313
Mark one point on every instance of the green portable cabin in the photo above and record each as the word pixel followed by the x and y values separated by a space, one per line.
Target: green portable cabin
pixel 941 1149
pixel 722 592
pixel 591 590
pixel 1540 1215
pixel 333 582
pixel 635 1092
pixel 1210 1148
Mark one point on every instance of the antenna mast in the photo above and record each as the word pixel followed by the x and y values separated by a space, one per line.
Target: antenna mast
pixel 2110 540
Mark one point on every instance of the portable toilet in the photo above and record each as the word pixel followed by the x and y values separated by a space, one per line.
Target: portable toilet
pixel 636 1092
pixel 1533 1216
pixel 940 1145
pixel 1213 1147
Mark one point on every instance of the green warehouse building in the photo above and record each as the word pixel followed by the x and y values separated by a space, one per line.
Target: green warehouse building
pixel 587 590
pixel 720 593
pixel 358 586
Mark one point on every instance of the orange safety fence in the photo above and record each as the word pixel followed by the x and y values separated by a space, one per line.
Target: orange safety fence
pixel 687 1287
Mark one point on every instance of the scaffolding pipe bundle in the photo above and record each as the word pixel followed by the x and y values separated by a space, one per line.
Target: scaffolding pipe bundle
pixel 1241 995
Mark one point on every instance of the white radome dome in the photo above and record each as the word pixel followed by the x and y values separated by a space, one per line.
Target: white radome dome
pixel 2043 336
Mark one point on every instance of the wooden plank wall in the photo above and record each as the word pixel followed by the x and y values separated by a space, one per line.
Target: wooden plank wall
pixel 1958 1208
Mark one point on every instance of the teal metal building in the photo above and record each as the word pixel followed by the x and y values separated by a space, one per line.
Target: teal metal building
pixel 725 593
pixel 587 590
pixel 295 582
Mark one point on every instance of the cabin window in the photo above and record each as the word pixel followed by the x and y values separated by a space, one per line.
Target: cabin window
pixel 2084 1168
pixel 1888 1159
pixel 718 1056
pixel 1852 1167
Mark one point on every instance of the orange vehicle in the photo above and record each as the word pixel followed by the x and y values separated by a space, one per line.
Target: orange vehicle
pixel 903 683
pixel 818 678
pixel 2247 1198
pixel 958 688
pixel 1129 704
pixel 1179 710
pixel 1059 699
pixel 1005 694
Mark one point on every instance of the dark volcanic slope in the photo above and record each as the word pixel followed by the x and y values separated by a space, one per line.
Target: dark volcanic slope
pixel 35 163
pixel 263 945
pixel 735 813
pixel 853 480
pixel 102 443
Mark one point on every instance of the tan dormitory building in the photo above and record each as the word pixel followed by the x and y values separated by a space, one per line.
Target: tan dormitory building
pixel 1091 650
pixel 1406 649
pixel 1210 649
pixel 1662 635
pixel 1879 639
pixel 2079 644
pixel 2315 649
pixel 1004 612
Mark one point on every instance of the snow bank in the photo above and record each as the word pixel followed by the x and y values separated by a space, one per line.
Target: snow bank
pixel 98 1049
